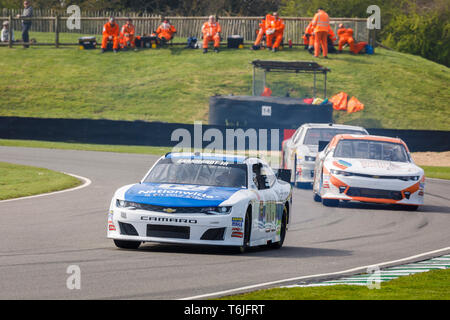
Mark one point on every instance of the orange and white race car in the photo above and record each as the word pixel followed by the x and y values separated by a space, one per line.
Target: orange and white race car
pixel 368 169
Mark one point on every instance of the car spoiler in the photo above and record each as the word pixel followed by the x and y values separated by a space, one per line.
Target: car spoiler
pixel 284 175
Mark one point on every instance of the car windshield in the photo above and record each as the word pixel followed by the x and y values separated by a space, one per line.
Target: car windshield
pixel 199 172
pixel 367 149
pixel 314 135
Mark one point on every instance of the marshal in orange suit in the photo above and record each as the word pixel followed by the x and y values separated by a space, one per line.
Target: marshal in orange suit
pixel 111 33
pixel 321 24
pixel 211 32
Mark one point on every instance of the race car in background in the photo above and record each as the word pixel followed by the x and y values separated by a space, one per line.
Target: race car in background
pixel 203 199
pixel 370 169
pixel 299 152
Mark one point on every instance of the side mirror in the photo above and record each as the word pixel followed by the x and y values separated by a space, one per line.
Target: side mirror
pixel 257 168
pixel 323 145
pixel 284 175
pixel 262 182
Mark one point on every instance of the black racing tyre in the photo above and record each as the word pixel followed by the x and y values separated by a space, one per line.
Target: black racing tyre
pixel 330 202
pixel 279 244
pixel 410 207
pixel 317 198
pixel 247 232
pixel 127 244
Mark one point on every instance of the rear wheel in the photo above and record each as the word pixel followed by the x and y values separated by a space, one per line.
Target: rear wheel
pixel 279 244
pixel 126 244
pixel 247 231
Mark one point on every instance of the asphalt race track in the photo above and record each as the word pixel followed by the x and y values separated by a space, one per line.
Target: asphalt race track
pixel 42 237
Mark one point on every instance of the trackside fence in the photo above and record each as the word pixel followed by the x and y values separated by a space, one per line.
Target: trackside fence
pixel 53 28
pixel 143 133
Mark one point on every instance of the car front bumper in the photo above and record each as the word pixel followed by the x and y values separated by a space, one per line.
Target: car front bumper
pixel 388 191
pixel 148 226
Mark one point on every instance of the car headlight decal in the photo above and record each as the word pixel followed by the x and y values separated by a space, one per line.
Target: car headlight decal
pixel 221 210
pixel 340 172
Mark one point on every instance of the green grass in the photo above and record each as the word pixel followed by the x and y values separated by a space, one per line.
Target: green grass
pixel 433 285
pixel 174 85
pixel 21 181
pixel 437 172
pixel 84 147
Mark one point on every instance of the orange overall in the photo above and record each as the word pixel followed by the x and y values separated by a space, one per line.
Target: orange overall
pixel 110 32
pixel 165 31
pixel 274 30
pixel 308 38
pixel 346 36
pixel 211 33
pixel 127 36
pixel 321 24
pixel 261 32
pixel 331 34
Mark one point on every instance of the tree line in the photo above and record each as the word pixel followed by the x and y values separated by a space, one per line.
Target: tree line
pixel 420 27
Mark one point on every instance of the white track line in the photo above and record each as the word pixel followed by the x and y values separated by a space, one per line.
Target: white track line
pixel 86 183
pixel 272 283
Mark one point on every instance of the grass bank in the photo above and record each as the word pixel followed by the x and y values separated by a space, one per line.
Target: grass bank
pixel 432 285
pixel 437 172
pixel 20 181
pixel 174 84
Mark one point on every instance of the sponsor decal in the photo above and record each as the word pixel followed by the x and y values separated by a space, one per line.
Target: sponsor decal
pixel 344 163
pixel 111 226
pixel 176 193
pixel 339 165
pixel 165 219
pixel 236 234
pixel 201 161
pixel 236 222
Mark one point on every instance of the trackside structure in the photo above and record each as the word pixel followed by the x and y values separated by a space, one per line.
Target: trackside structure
pixel 284 112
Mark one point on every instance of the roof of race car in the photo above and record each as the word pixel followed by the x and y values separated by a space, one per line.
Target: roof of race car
pixel 368 137
pixel 207 156
pixel 331 125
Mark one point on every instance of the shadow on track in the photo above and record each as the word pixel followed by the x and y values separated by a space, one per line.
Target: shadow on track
pixel 260 251
pixel 393 207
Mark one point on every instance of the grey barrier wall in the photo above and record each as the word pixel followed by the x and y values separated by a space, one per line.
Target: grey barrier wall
pixel 257 111
pixel 159 134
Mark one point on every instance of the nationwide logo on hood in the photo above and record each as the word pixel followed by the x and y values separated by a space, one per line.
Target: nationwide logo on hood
pixel 178 194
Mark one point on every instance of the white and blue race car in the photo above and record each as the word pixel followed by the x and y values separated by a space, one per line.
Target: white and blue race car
pixel 204 199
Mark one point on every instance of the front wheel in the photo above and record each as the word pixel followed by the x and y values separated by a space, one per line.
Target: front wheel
pixel 126 244
pixel 279 244
pixel 411 207
pixel 247 232
pixel 317 198
pixel 330 202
